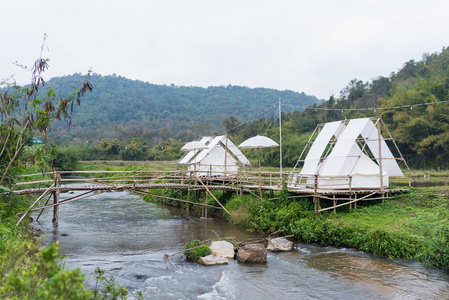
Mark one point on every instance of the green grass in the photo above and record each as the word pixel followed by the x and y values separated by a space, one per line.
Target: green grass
pixel 413 226
pixel 118 165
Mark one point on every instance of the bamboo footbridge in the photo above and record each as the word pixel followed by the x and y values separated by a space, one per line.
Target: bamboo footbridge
pixel 201 184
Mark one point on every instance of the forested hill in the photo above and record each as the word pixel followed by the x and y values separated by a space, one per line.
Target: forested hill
pixel 120 108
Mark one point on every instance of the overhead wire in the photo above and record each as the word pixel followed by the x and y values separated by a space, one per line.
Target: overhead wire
pixel 365 109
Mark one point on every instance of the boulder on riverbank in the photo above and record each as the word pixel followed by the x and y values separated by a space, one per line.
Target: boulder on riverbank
pixel 279 244
pixel 212 260
pixel 252 253
pixel 222 249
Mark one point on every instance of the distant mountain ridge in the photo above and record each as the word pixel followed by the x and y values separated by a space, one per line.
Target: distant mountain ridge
pixel 135 107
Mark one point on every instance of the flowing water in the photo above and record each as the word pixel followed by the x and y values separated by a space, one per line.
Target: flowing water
pixel 127 237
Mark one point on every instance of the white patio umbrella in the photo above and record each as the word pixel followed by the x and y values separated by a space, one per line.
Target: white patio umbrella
pixel 192 146
pixel 259 142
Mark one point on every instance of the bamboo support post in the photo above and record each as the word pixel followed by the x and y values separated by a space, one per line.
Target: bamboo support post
pixel 207 189
pixel 350 193
pixel 31 206
pixel 202 207
pixel 188 194
pixel 315 204
pixel 206 202
pixel 381 175
pixel 46 202
pixel 197 197
pixel 335 203
pixel 56 199
pixel 55 208
pixel 134 179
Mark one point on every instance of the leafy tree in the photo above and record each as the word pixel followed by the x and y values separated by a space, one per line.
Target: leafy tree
pixel 110 148
pixel 354 90
pixel 166 151
pixel 231 125
pixel 135 150
pixel 26 111
pixel 65 159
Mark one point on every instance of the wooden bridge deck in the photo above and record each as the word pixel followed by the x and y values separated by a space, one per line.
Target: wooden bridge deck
pixel 142 182
pixel 114 187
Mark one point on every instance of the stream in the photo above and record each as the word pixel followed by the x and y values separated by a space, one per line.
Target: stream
pixel 127 237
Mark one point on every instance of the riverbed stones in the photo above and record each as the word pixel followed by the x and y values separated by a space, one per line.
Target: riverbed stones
pixel 279 244
pixel 252 253
pixel 212 260
pixel 222 249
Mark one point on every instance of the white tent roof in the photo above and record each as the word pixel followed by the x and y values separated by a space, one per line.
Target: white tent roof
pixel 185 159
pixel 389 164
pixel 319 145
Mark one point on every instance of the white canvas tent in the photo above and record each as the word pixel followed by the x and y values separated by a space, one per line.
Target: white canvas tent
pixel 220 158
pixel 348 154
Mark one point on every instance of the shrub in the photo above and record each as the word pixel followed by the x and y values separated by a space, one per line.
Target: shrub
pixel 194 254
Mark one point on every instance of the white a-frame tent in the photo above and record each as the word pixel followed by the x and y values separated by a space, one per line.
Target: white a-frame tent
pixel 349 154
pixel 221 158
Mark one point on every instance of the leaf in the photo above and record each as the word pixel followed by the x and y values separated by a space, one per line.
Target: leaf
pixel 4 188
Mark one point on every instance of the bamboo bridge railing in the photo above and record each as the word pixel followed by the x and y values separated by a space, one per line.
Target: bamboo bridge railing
pixel 51 184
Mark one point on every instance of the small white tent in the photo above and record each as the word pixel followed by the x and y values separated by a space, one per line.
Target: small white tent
pixel 221 158
pixel 339 158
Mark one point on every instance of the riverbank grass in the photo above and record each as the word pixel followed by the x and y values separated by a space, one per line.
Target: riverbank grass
pixel 413 226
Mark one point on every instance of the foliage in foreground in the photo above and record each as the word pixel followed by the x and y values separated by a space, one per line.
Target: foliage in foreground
pixel 29 272
pixel 414 226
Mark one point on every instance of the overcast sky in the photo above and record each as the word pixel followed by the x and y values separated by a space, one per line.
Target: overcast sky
pixel 312 46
